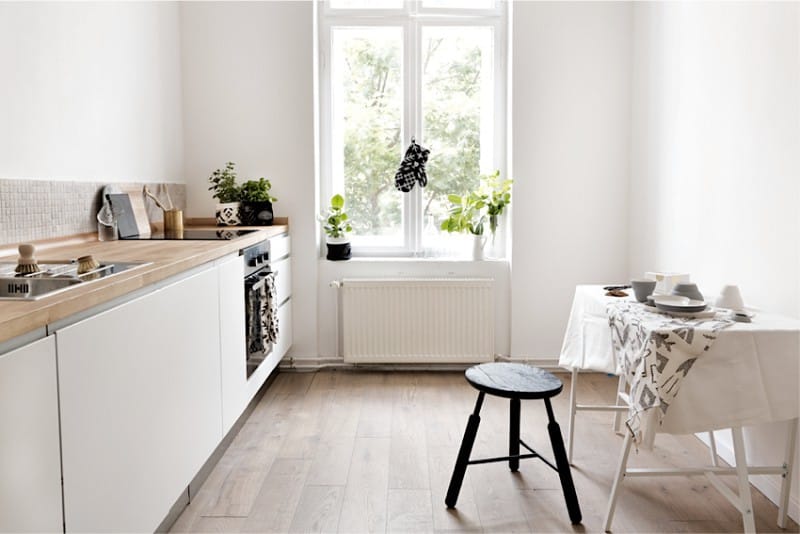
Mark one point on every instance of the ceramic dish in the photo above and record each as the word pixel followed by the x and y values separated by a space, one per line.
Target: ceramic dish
pixel 679 304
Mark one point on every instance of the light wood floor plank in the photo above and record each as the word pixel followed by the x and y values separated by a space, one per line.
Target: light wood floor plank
pixel 318 509
pixel 365 499
pixel 373 451
pixel 410 511
pixel 275 505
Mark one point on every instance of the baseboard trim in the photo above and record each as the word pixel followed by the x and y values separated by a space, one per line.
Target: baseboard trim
pixel 310 365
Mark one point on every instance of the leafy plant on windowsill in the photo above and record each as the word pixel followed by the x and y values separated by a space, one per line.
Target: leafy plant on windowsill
pixel 470 212
pixel 336 223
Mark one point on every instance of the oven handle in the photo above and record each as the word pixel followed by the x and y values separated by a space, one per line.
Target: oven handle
pixel 261 281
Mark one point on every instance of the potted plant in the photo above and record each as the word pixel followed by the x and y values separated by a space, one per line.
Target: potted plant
pixel 256 202
pixel 470 212
pixel 336 227
pixel 223 184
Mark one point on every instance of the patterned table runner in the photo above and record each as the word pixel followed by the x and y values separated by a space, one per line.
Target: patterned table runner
pixel 656 352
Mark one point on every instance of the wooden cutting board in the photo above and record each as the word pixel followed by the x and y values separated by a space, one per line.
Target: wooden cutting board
pixel 139 210
pixel 123 213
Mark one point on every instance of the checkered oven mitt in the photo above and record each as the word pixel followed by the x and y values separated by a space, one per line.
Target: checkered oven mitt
pixel 412 168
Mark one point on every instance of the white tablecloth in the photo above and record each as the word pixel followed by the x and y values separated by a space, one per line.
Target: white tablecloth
pixel 750 374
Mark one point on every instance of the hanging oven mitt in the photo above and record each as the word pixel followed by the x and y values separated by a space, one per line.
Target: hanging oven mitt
pixel 412 168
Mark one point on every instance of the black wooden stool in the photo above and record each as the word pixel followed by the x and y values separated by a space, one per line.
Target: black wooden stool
pixel 514 381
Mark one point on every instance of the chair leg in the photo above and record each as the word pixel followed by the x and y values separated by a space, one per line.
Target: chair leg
pixel 573 390
pixel 615 487
pixel 513 435
pixel 745 498
pixel 464 452
pixel 786 484
pixel 712 444
pixel 621 384
pixel 564 473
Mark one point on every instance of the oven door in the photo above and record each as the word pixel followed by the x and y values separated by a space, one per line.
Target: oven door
pixel 256 308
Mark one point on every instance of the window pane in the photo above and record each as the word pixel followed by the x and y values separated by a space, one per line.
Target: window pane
pixel 366 127
pixel 366 4
pixel 458 117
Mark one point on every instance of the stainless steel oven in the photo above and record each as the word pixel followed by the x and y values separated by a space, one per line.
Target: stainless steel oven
pixel 256 269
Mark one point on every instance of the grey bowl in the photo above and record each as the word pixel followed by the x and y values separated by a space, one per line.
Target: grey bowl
pixel 687 289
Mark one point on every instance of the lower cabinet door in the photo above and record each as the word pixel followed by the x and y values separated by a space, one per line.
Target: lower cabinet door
pixel 30 466
pixel 140 405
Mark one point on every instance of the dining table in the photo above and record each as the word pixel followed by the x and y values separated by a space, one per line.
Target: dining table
pixel 683 373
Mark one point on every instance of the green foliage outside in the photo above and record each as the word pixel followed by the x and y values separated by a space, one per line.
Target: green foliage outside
pixel 372 138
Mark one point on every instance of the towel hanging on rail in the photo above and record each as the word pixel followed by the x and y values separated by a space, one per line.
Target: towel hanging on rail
pixel 412 168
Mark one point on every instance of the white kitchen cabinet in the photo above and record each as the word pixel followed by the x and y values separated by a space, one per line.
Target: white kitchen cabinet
pixel 232 341
pixel 30 466
pixel 140 389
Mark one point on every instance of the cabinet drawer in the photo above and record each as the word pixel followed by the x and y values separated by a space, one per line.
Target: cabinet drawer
pixel 279 247
pixel 283 278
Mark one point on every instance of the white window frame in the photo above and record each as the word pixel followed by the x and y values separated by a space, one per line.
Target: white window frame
pixel 412 18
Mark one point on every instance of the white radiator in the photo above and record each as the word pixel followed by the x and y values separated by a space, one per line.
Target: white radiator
pixel 412 320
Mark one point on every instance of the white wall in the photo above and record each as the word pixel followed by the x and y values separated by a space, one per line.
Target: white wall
pixel 715 175
pixel 571 124
pixel 90 92
pixel 715 183
pixel 248 98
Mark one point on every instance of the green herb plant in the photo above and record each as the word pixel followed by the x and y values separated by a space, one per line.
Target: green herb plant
pixel 223 184
pixel 335 220
pixel 256 191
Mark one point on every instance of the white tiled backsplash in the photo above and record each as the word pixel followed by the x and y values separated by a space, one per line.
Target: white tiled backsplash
pixel 43 209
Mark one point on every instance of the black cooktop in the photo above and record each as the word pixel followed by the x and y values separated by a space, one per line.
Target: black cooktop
pixel 221 234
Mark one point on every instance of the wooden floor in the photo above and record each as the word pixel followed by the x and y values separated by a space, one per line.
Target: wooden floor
pixel 373 452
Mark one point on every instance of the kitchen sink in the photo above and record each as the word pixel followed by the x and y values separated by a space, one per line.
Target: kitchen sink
pixel 54 278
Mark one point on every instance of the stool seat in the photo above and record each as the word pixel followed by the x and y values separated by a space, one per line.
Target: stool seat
pixel 514 380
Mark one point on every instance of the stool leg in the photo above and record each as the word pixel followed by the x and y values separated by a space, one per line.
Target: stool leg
pixel 513 435
pixel 564 473
pixel 463 454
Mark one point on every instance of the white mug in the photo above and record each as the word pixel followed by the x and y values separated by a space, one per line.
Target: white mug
pixel 730 297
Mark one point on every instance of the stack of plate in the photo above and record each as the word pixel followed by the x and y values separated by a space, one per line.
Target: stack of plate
pixel 677 305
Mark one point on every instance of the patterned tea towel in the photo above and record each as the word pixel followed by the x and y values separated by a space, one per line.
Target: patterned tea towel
pixel 656 352
pixel 412 168
pixel 262 315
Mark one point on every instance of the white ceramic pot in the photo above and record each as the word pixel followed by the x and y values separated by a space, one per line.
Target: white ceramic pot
pixel 229 214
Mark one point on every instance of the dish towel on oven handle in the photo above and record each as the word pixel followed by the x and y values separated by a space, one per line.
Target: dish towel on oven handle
pixel 262 314
pixel 656 352
pixel 269 314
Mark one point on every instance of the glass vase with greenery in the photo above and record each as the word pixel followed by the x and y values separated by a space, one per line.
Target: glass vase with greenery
pixel 470 212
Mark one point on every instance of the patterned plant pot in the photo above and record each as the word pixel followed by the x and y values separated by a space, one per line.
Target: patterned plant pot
pixel 228 214
pixel 256 213
pixel 338 249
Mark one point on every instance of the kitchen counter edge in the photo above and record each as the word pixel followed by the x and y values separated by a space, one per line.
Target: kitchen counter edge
pixel 167 259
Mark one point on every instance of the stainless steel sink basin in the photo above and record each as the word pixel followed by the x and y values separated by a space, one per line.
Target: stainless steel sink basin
pixel 33 288
pixel 54 278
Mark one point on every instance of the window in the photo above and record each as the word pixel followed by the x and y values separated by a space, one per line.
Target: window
pixel 393 70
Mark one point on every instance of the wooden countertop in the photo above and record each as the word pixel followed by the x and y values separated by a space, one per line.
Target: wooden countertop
pixel 168 259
